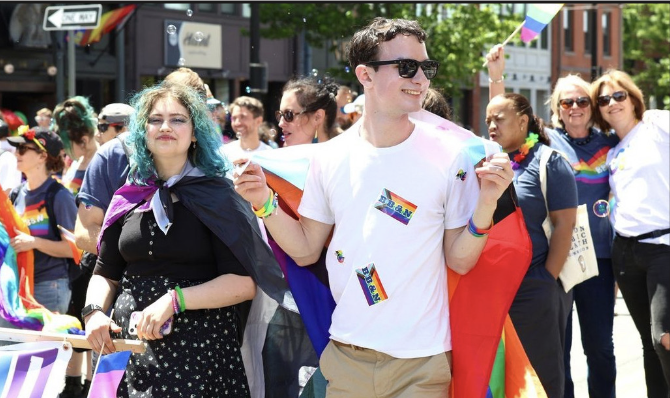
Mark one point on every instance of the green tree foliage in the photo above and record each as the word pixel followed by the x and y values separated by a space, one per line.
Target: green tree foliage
pixel 646 45
pixel 459 35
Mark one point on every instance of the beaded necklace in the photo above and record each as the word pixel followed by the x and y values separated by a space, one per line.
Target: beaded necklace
pixel 531 140
pixel 578 141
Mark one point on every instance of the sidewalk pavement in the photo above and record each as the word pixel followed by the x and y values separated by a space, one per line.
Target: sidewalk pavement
pixel 627 350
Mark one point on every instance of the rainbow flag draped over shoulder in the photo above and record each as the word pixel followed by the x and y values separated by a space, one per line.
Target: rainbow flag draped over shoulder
pixel 479 301
pixel 108 21
pixel 538 17
pixel 17 304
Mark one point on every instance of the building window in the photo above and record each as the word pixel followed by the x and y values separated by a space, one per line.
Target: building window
pixel 246 10
pixel 588 32
pixel 227 8
pixel 568 29
pixel 178 6
pixel 607 33
pixel 207 7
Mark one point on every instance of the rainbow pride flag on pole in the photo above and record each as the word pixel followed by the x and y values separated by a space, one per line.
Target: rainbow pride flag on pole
pixel 108 21
pixel 537 18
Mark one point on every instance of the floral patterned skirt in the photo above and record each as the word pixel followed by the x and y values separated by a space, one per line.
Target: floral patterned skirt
pixel 199 358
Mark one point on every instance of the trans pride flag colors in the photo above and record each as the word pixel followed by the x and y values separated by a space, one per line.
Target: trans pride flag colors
pixel 109 374
pixel 538 17
pixel 33 369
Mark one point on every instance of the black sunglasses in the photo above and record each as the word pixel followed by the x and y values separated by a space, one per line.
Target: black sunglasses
pixel 288 115
pixel 103 127
pixel 407 68
pixel 22 149
pixel 582 102
pixel 619 96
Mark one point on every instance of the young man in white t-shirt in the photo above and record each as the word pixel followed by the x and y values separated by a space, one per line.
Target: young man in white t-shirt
pixel 402 198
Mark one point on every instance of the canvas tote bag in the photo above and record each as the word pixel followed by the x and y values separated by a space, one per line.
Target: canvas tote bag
pixel 581 263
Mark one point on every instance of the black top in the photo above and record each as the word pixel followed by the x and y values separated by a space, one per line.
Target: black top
pixel 135 245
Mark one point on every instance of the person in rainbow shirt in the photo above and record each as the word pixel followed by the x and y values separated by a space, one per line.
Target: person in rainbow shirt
pixel 38 156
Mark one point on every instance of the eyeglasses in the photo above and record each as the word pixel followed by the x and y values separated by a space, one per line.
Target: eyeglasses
pixel 407 68
pixel 103 127
pixel 288 115
pixel 173 122
pixel 582 102
pixel 619 96
pixel 22 149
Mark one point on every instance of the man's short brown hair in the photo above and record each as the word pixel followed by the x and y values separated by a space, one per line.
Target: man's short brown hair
pixel 252 104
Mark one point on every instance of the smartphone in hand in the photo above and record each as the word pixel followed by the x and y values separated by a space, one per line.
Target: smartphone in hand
pixel 135 317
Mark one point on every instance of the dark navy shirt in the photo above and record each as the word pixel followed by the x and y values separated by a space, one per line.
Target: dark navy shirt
pixel 47 268
pixel 106 173
pixel 561 194
pixel 588 157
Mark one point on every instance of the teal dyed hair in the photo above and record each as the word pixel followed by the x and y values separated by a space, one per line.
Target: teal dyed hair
pixel 75 119
pixel 206 156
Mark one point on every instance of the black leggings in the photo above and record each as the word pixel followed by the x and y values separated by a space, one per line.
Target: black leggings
pixel 642 271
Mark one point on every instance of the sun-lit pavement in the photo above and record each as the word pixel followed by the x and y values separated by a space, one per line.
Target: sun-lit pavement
pixel 628 352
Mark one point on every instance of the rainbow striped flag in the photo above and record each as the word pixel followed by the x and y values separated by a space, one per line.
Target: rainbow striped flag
pixel 537 18
pixel 108 21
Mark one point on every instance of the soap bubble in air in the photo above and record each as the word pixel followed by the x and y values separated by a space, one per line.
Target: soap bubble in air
pixel 189 12
pixel 181 62
pixel 198 36
pixel 315 72
pixel 171 29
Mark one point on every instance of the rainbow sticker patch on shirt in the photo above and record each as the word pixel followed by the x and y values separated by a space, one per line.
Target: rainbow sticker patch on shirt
pixel 461 174
pixel 371 284
pixel 340 256
pixel 395 206
pixel 36 218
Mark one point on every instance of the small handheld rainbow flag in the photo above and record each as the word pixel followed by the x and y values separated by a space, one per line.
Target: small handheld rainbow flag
pixel 537 18
pixel 70 239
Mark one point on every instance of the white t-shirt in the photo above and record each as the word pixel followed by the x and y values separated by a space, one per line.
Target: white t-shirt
pixel 640 178
pixel 390 207
pixel 234 151
pixel 10 176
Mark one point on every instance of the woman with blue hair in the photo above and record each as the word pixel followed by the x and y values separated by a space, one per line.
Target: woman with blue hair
pixel 177 247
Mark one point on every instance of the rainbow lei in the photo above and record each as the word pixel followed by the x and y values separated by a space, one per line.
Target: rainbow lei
pixel 531 140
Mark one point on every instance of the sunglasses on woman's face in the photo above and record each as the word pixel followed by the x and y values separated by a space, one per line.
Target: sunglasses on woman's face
pixel 619 96
pixel 582 102
pixel 407 68
pixel 288 115
pixel 22 149
pixel 102 127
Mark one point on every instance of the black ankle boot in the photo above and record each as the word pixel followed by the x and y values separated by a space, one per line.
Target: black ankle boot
pixel 86 387
pixel 73 387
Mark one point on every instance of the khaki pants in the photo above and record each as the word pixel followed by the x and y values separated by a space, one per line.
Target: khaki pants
pixel 355 372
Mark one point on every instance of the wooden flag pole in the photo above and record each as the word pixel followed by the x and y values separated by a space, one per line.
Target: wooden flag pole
pixel 518 28
pixel 77 341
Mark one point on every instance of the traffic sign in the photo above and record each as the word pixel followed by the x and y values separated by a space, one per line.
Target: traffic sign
pixel 72 17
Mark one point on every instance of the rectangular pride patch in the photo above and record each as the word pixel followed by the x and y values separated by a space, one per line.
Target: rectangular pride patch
pixel 371 284
pixel 393 205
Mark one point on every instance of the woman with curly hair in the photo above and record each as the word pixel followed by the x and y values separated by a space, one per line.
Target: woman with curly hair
pixel 176 246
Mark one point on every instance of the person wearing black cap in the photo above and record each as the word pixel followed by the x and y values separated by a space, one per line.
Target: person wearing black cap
pixel 112 121
pixel 43 203
pixel 10 176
